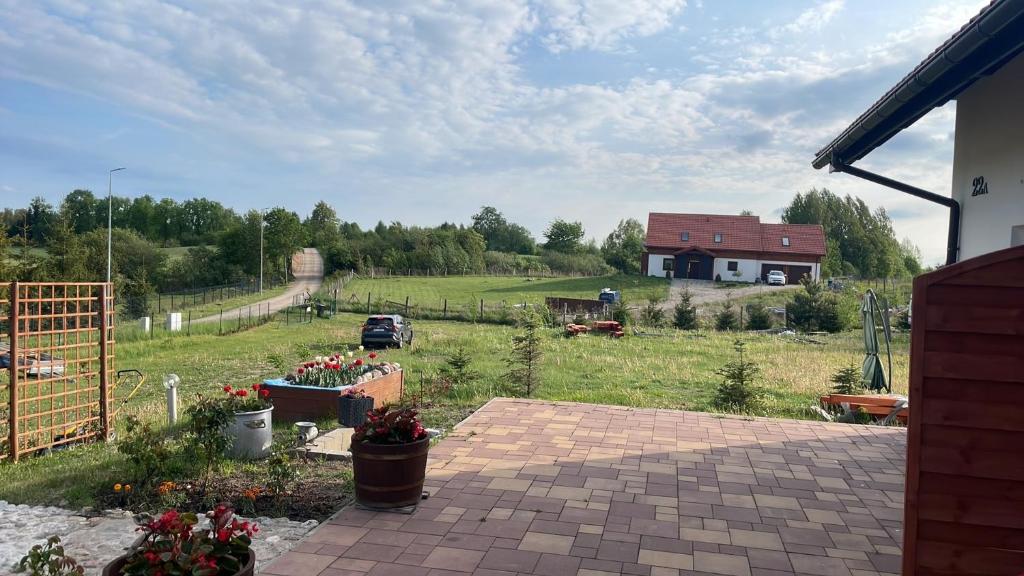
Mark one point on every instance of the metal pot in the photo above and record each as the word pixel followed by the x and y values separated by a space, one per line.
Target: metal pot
pixel 251 434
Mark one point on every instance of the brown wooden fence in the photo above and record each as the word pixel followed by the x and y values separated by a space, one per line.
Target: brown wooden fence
pixel 58 357
pixel 965 450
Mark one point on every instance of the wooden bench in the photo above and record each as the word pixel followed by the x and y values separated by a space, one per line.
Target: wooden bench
pixel 879 405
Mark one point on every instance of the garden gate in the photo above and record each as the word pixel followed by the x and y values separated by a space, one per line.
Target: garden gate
pixel 57 352
pixel 965 445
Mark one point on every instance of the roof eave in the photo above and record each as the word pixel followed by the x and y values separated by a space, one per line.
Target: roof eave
pixel 991 39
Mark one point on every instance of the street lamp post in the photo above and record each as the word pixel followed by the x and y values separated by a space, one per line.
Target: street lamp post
pixel 263 213
pixel 110 217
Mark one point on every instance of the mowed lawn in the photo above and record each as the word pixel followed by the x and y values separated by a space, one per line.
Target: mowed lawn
pixel 432 291
pixel 674 370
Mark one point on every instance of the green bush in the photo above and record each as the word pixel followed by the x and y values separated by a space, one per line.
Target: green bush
pixel 48 560
pixel 816 309
pixel 685 317
pixel 739 377
pixel 456 369
pixel 207 437
pixel 146 449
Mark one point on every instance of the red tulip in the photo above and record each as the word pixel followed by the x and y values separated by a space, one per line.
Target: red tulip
pixel 255 386
pixel 359 362
pixel 265 393
pixel 373 355
pixel 242 393
pixel 227 389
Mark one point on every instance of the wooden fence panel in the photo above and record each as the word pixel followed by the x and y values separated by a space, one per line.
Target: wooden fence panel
pixel 965 452
pixel 59 365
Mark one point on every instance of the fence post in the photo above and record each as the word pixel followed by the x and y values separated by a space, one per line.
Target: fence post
pixel 367 303
pixel 220 322
pixel 406 305
pixel 445 309
pixel 481 308
pixel 159 304
pixel 188 325
pixel 104 364
pixel 13 368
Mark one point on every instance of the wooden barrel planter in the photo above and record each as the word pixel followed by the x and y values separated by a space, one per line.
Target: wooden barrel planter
pixel 295 403
pixel 248 565
pixel 389 475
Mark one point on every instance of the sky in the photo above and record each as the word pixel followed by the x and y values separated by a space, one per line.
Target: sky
pixel 422 111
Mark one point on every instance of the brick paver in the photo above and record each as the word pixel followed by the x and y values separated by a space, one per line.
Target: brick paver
pixel 563 489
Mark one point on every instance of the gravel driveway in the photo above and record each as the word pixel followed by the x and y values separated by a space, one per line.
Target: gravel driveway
pixel 704 292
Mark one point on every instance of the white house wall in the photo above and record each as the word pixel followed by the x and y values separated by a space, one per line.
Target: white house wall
pixel 990 145
pixel 654 264
pixel 747 269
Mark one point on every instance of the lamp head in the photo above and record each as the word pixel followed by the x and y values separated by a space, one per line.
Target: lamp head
pixel 171 381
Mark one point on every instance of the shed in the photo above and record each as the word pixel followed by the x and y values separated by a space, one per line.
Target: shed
pixel 964 510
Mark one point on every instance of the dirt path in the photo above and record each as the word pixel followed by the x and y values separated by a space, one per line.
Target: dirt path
pixel 308 269
pixel 704 292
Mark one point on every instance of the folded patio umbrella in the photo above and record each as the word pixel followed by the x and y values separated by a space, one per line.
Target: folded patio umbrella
pixel 873 375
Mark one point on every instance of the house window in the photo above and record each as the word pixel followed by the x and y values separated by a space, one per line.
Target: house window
pixel 667 264
pixel 685 236
pixel 785 240
pixel 718 238
pixel 732 266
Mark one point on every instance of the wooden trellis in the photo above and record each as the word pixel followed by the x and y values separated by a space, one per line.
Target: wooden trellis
pixel 58 356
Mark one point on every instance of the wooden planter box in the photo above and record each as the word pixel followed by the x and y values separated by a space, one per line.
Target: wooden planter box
pixel 297 403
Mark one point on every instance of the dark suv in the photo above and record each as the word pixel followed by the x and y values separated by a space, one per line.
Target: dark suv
pixel 386 330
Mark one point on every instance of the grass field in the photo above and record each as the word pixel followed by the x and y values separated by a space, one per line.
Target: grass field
pixel 674 370
pixel 430 292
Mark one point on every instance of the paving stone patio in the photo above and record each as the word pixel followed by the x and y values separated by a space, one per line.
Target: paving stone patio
pixel 556 489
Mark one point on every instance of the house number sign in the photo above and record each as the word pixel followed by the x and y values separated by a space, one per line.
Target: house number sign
pixel 979 186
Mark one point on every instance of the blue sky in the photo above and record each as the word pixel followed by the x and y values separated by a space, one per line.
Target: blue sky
pixel 422 111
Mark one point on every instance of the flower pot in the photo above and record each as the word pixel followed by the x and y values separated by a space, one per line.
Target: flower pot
pixel 389 475
pixel 251 435
pixel 295 402
pixel 248 565
pixel 352 411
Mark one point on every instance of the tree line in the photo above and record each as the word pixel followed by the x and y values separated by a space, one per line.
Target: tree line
pixel 68 242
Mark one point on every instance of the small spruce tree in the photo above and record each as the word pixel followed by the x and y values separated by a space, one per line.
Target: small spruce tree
pixel 726 318
pixel 456 368
pixel 652 314
pixel 685 314
pixel 620 313
pixel 524 360
pixel 738 388
pixel 758 317
pixel 847 380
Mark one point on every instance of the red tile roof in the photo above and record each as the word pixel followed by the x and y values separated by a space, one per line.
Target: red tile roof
pixel 746 233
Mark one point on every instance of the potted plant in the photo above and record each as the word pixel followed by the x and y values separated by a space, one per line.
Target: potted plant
pixel 170 544
pixel 353 404
pixel 389 458
pixel 250 431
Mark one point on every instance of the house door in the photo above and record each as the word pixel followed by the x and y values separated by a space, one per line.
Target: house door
pixel 693 269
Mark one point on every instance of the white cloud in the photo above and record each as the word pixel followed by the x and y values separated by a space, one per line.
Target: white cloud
pixel 813 19
pixel 426 106
pixel 603 24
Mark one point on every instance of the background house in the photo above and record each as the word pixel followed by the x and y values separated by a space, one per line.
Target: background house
pixel 733 248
